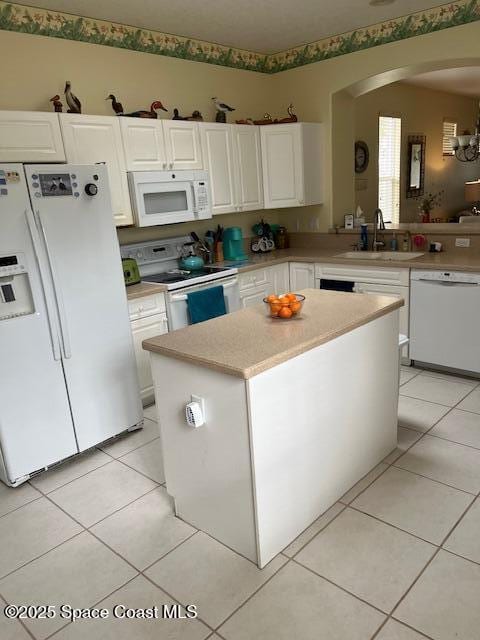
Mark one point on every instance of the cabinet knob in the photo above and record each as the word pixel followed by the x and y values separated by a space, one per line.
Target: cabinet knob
pixel 164 165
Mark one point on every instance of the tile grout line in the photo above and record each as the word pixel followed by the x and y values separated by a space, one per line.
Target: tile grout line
pixel 140 472
pixel 344 506
pixel 19 620
pixel 104 464
pixel 439 548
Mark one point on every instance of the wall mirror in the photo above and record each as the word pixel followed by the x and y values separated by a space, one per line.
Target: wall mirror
pixel 415 166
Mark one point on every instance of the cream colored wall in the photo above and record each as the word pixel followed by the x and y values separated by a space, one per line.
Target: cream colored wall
pixel 312 89
pixel 38 67
pixel 422 112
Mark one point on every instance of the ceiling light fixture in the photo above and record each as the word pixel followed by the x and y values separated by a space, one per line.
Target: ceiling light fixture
pixel 467 147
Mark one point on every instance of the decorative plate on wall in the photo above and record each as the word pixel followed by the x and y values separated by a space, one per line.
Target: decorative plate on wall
pixel 362 156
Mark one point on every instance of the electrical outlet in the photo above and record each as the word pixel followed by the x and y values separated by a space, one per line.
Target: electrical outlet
pixel 201 402
pixel 462 242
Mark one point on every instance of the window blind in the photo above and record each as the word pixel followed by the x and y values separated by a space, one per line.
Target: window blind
pixel 389 146
pixel 449 131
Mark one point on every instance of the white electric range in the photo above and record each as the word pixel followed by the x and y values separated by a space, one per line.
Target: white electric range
pixel 158 262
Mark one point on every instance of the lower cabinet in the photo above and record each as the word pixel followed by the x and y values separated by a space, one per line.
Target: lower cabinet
pixel 147 319
pixel 258 284
pixel 302 276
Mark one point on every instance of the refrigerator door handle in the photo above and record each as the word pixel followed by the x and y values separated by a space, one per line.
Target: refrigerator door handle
pixel 48 302
pixel 58 294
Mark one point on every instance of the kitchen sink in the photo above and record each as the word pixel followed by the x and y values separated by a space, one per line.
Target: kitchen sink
pixel 379 255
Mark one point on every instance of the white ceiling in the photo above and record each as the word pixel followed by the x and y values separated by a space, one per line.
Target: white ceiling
pixel 464 81
pixel 265 26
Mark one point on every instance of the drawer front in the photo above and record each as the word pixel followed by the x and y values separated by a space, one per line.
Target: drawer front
pixel 375 275
pixel 146 306
pixel 252 279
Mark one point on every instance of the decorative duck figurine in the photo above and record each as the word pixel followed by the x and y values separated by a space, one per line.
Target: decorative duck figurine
pixel 116 106
pixel 74 104
pixel 222 110
pixel 57 104
pixel 177 116
pixel 291 115
pixel 148 114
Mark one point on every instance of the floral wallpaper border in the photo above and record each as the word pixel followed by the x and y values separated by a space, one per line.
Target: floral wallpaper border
pixel 24 19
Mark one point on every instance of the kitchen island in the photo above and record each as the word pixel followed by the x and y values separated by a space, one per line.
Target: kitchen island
pixel 296 412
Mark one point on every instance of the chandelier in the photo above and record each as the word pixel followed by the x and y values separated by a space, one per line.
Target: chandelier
pixel 467 147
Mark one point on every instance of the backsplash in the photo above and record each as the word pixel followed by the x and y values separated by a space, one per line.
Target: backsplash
pixel 245 221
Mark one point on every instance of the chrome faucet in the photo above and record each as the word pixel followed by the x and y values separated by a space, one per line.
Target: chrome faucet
pixel 378 225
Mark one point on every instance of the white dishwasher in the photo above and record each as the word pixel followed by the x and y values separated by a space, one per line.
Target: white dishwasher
pixel 445 319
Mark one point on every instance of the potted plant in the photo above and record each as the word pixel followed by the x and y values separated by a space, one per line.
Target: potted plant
pixel 428 202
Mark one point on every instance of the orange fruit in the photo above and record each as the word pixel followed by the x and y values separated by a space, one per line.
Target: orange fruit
pixel 284 301
pixel 285 312
pixel 271 297
pixel 295 307
pixel 291 296
pixel 275 308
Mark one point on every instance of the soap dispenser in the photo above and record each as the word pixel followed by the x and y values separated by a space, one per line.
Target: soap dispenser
pixel 364 237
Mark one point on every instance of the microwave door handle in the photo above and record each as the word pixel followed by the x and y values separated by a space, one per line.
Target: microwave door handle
pixel 194 199
pixel 58 294
pixel 48 302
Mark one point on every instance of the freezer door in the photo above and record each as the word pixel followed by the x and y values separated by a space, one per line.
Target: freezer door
pixel 36 428
pixel 74 215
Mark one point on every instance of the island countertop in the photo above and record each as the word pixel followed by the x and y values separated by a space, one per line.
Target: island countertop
pixel 247 342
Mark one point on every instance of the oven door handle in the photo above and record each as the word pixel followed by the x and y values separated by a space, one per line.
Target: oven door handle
pixel 177 297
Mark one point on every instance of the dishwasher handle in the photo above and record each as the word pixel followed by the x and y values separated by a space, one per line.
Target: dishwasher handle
pixel 446 283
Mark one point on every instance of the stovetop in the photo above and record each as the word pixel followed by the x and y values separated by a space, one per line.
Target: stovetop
pixel 158 262
pixel 179 278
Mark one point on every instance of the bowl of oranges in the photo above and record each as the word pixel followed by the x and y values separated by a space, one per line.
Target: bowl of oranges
pixel 284 307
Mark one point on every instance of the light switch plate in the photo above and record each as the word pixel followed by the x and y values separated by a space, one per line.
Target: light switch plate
pixel 462 242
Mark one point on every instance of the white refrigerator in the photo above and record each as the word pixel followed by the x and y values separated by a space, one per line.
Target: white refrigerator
pixel 68 379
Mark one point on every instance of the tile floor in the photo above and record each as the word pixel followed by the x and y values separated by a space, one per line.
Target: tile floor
pixel 396 558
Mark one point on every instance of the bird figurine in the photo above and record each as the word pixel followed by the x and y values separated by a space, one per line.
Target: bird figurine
pixel 74 104
pixel 148 114
pixel 196 115
pixel 222 110
pixel 291 115
pixel 57 104
pixel 177 116
pixel 116 106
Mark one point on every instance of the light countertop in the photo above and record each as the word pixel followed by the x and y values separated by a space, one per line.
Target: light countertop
pixel 468 261
pixel 247 342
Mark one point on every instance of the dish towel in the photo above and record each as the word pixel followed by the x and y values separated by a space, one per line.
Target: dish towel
pixel 206 304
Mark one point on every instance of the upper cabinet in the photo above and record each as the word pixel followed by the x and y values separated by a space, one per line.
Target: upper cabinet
pixel 247 152
pixel 292 159
pixel 231 155
pixel 152 145
pixel 91 139
pixel 30 136
pixel 144 144
pixel 218 160
pixel 182 142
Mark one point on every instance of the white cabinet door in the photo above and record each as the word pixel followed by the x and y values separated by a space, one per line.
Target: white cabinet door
pixel 144 144
pixel 218 160
pixel 401 293
pixel 249 167
pixel 255 297
pixel 30 136
pixel 182 141
pixel 282 162
pixel 280 278
pixel 141 330
pixel 302 276
pixel 91 139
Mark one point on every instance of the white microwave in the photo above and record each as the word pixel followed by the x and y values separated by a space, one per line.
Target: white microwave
pixel 166 197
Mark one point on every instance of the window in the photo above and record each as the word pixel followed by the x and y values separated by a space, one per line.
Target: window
pixel 449 131
pixel 389 143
